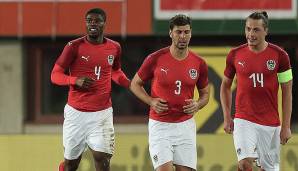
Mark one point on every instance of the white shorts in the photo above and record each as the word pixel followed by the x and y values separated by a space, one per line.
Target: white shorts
pixel 82 129
pixel 174 142
pixel 253 140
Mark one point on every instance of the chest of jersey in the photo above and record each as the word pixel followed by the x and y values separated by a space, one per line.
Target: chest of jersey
pixel 176 74
pixel 94 61
pixel 256 70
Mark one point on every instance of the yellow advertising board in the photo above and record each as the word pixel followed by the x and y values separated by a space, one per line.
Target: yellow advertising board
pixel 44 152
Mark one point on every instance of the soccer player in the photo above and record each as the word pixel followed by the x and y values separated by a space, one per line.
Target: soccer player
pixel 174 72
pixel 260 67
pixel 91 62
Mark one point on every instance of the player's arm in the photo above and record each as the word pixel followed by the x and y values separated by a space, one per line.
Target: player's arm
pixel 120 78
pixel 60 78
pixel 203 97
pixel 226 102
pixel 58 75
pixel 193 106
pixel 137 87
pixel 285 79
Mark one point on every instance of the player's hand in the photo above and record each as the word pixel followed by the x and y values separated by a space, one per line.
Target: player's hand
pixel 191 107
pixel 84 82
pixel 285 135
pixel 228 126
pixel 159 105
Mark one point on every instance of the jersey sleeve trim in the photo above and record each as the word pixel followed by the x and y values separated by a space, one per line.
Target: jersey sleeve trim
pixel 285 76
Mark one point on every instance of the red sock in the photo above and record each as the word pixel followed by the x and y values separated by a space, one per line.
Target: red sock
pixel 61 166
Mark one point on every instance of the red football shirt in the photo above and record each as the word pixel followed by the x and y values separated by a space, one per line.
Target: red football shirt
pixel 94 61
pixel 173 81
pixel 257 82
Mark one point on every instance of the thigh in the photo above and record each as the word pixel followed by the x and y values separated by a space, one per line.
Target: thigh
pixel 245 139
pixel 101 134
pixel 269 148
pixel 73 133
pixel 160 145
pixel 185 148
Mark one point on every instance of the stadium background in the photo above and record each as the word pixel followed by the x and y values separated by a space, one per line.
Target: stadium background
pixel 34 32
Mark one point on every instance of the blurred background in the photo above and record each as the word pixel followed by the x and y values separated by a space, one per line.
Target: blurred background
pixel 33 33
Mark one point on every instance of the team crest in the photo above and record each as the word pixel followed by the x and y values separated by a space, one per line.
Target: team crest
pixel 238 151
pixel 155 158
pixel 193 73
pixel 271 65
pixel 111 59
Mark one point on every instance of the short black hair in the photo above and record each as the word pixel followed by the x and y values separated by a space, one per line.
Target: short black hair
pixel 260 15
pixel 179 20
pixel 97 11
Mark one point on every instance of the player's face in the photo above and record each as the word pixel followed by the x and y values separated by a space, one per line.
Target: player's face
pixel 95 25
pixel 255 32
pixel 181 36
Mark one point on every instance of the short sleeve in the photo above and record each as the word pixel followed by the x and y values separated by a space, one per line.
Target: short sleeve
pixel 203 76
pixel 284 62
pixel 146 70
pixel 230 68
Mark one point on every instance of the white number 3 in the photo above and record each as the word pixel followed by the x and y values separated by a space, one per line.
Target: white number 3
pixel 178 85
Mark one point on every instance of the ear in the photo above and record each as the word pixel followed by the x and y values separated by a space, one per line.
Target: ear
pixel 170 33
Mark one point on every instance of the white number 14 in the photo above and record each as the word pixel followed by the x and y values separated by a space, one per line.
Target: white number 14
pixel 257 78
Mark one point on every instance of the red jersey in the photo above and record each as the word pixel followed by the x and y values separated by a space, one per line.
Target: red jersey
pixel 174 81
pixel 257 82
pixel 94 61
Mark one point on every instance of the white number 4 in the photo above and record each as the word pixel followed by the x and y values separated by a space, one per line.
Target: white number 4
pixel 97 71
pixel 257 78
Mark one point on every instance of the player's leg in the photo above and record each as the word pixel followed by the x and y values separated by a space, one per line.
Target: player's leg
pixel 185 149
pixel 101 160
pixel 73 138
pixel 183 168
pixel 101 138
pixel 269 148
pixel 160 147
pixel 72 165
pixel 165 167
pixel 245 142
pixel 245 164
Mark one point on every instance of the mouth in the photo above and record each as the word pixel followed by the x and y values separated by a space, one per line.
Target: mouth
pixel 92 30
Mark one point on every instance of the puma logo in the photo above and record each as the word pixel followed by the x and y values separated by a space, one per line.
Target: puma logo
pixel 86 58
pixel 241 63
pixel 164 70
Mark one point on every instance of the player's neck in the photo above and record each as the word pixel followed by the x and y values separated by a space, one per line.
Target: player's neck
pixel 178 54
pixel 259 48
pixel 95 40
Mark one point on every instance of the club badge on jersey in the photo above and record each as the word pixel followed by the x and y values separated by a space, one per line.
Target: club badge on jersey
pixel 111 59
pixel 271 65
pixel 193 73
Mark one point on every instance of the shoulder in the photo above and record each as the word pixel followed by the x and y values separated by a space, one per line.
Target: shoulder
pixel 277 49
pixel 157 54
pixel 196 57
pixel 112 43
pixel 240 48
pixel 76 42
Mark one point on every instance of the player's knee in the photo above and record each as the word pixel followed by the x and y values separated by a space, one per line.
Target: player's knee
pixel 70 166
pixel 103 161
pixel 245 165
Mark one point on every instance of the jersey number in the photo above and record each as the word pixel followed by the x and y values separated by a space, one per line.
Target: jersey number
pixel 97 71
pixel 257 78
pixel 178 85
